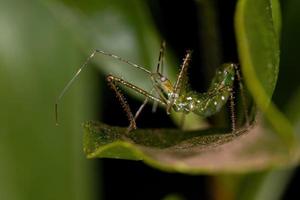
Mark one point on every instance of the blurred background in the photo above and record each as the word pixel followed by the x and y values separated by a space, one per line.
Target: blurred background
pixel 43 42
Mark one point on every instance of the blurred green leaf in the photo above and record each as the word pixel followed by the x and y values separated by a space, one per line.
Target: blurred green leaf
pixel 276 15
pixel 288 80
pixel 38 159
pixel 258 48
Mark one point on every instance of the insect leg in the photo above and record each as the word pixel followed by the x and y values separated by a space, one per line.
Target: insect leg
pixel 183 72
pixel 232 112
pixel 181 80
pixel 154 105
pixel 113 82
pixel 159 68
pixel 135 88
pixel 138 112
pixel 226 89
pixel 142 106
pixel 217 96
pixel 160 63
pixel 241 87
pixel 124 104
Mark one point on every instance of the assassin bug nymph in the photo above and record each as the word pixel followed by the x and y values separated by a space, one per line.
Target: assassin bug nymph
pixel 178 96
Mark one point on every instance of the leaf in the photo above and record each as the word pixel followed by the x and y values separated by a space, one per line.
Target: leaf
pixel 258 48
pixel 271 184
pixel 276 15
pixel 206 151
pixel 38 159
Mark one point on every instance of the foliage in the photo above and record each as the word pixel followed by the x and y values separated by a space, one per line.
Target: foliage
pixel 257 28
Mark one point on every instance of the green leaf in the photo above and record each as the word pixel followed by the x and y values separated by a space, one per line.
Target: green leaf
pixel 206 151
pixel 258 47
pixel 271 184
pixel 276 15
pixel 38 159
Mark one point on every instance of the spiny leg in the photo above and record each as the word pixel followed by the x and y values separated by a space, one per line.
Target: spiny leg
pixel 180 83
pixel 121 98
pixel 241 87
pixel 135 88
pixel 183 72
pixel 112 80
pixel 231 103
pixel 219 92
pixel 160 67
pixel 232 112
pixel 124 104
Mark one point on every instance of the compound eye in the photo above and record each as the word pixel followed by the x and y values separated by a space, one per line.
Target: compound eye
pixel 163 79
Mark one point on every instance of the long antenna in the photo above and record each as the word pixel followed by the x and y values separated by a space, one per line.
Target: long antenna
pixel 69 84
pixel 123 60
pixel 83 66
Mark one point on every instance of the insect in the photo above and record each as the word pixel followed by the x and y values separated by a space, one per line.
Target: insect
pixel 178 96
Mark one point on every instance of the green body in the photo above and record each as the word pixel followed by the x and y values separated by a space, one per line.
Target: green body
pixel 204 104
pixel 210 102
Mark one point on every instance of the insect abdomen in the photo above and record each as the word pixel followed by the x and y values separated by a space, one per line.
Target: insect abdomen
pixel 211 102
